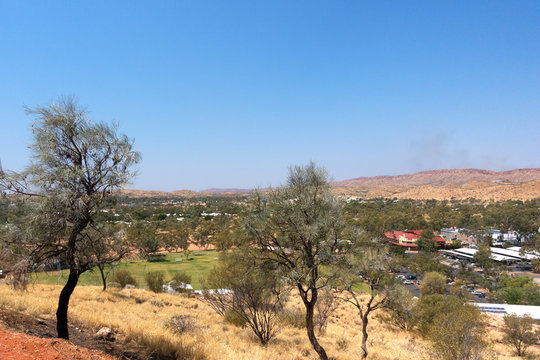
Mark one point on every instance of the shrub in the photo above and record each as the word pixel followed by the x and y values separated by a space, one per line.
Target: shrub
pixel 181 323
pixel 518 332
pixel 342 343
pixel 433 283
pixel 123 277
pixel 429 307
pixel 155 281
pixel 325 306
pixel 243 288
pixel 400 306
pixel 294 318
pixel 234 318
pixel 459 335
pixel 181 278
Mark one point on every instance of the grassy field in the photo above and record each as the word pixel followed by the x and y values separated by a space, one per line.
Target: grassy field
pixel 212 338
pixel 198 266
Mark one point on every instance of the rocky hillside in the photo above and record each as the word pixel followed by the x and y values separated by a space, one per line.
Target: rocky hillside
pixel 519 184
pixel 447 177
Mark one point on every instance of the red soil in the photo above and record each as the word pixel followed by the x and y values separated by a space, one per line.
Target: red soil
pixel 17 346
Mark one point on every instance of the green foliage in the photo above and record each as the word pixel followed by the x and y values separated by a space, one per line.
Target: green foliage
pixel 123 277
pixel 182 277
pixel 456 329
pixel 518 290
pixel 246 292
pixel 422 263
pixel 456 244
pixel 433 283
pixel 519 333
pixel 425 242
pixel 143 236
pixel 235 318
pixel 482 257
pixel 155 281
pixel 400 306
pixel 429 307
pixel 459 334
pixel 293 317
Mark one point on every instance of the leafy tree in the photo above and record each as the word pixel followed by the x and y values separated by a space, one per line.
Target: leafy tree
pixel 400 306
pixel 297 230
pixel 425 242
pixel 518 290
pixel 108 246
pixel 482 257
pixel 76 165
pixel 519 333
pixel 459 335
pixel 143 236
pixel 429 307
pixel 433 283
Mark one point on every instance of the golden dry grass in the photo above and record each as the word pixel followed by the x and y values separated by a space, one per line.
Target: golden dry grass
pixel 140 316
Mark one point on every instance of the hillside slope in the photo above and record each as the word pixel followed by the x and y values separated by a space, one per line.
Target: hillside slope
pixel 519 184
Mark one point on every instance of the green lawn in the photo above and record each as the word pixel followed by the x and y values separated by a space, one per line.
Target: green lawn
pixel 198 266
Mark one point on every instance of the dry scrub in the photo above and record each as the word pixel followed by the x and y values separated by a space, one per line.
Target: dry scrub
pixel 140 317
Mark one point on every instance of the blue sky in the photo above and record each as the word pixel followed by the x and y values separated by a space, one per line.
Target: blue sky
pixel 230 93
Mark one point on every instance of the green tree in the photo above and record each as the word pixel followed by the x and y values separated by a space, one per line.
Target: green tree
pixel 519 333
pixel 143 237
pixel 433 283
pixel 458 335
pixel 76 165
pixel 297 228
pixel 425 242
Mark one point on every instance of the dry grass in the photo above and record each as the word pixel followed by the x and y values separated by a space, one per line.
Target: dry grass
pixel 141 316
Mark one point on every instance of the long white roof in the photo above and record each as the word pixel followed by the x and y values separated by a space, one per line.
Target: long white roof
pixel 514 253
pixel 494 256
pixel 503 309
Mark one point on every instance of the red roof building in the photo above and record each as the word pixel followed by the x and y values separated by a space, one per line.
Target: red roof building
pixel 408 238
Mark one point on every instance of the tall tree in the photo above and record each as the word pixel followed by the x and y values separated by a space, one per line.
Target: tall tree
pixel 76 165
pixel 296 227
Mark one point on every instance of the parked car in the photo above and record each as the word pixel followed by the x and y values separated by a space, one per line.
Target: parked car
pixel 410 277
pixel 407 282
pixel 479 294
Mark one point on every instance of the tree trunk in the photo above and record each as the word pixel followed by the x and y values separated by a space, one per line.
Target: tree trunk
pixel 103 277
pixel 63 303
pixel 364 335
pixel 310 309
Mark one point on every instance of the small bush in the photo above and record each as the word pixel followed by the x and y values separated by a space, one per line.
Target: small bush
pixel 123 278
pixel 181 323
pixel 293 317
pixel 234 318
pixel 342 343
pixel 179 280
pixel 155 281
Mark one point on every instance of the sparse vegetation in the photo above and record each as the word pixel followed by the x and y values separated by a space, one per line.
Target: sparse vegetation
pixel 155 281
pixel 123 278
pixel 519 333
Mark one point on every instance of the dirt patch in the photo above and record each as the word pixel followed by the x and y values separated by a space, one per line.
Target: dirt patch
pixel 26 337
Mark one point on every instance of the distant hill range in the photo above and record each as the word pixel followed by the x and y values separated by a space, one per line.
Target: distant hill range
pixel 519 184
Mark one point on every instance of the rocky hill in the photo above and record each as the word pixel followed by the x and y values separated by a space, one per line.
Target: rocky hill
pixel 519 184
pixel 447 177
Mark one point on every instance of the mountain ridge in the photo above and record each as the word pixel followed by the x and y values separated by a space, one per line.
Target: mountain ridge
pixel 517 184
